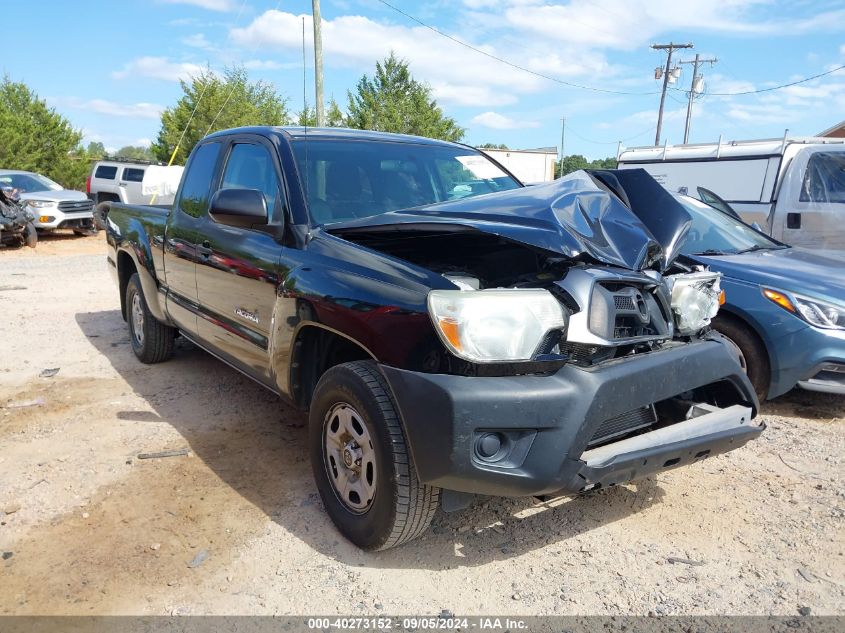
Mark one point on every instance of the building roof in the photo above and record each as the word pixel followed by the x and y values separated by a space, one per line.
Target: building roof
pixel 837 130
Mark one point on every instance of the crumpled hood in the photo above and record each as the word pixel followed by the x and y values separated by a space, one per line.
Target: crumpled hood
pixel 574 216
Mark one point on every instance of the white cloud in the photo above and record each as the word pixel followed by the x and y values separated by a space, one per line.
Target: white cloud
pixel 269 64
pixel 629 24
pixel 498 121
pixel 471 95
pixel 110 108
pixel 211 5
pixel 197 40
pixel 457 75
pixel 142 142
pixel 158 68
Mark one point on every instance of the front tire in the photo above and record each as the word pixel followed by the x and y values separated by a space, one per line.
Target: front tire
pixel 752 353
pixel 152 341
pixel 362 465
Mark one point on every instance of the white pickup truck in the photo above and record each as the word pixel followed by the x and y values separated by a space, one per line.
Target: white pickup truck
pixel 793 188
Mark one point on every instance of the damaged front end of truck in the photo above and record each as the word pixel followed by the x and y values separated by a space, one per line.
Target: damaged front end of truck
pixel 574 342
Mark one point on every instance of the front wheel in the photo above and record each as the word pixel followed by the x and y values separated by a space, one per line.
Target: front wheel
pixel 361 461
pixel 152 341
pixel 751 353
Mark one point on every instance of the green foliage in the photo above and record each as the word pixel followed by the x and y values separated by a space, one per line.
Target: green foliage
pixel 492 146
pixel 37 138
pixel 133 152
pixel 574 162
pixel 393 101
pixel 334 116
pixel 216 103
pixel 96 150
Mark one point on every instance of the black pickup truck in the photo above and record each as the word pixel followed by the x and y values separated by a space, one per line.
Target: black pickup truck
pixel 451 332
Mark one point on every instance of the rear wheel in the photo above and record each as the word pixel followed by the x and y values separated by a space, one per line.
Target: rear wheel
pixel 752 353
pixel 361 462
pixel 152 341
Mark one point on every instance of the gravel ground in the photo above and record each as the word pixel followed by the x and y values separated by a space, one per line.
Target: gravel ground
pixel 236 526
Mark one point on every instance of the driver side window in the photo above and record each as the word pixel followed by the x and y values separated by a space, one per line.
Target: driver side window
pixel 250 166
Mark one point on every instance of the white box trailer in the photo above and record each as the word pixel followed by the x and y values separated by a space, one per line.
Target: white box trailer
pixel 793 188
pixel 529 165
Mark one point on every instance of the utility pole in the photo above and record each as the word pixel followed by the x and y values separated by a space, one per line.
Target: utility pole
pixel 692 89
pixel 671 47
pixel 318 61
pixel 562 131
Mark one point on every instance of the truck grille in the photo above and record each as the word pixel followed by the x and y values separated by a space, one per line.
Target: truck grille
pixel 624 303
pixel 76 206
pixel 623 424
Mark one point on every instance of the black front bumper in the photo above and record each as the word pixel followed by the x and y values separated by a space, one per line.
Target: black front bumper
pixel 547 421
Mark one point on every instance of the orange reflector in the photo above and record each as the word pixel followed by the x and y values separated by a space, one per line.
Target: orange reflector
pixel 45 218
pixel 779 298
pixel 722 298
pixel 449 327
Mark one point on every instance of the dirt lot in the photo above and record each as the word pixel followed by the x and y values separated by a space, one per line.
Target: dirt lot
pixel 89 528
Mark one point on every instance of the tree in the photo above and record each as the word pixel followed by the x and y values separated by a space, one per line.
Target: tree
pixel 574 162
pixel 133 152
pixel 393 101
pixel 334 116
pixel 492 146
pixel 212 102
pixel 96 150
pixel 37 138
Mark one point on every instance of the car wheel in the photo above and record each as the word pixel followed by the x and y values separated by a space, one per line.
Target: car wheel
pixel 362 466
pixel 152 341
pixel 752 353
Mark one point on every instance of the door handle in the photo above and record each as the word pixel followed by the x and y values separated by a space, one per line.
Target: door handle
pixel 793 220
pixel 123 184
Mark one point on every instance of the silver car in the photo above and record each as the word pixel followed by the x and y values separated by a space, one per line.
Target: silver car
pixel 53 206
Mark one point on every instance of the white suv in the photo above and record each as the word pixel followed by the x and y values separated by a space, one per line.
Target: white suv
pixel 53 206
pixel 118 181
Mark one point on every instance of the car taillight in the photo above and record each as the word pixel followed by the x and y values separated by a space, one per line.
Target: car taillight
pixel 88 185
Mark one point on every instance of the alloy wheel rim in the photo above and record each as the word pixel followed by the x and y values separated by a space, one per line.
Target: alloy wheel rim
pixel 350 458
pixel 137 319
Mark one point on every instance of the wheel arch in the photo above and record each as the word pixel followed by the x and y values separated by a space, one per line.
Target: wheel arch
pixel 316 348
pixel 742 320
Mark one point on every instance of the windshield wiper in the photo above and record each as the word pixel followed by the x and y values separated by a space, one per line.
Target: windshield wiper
pixel 758 247
pixel 713 251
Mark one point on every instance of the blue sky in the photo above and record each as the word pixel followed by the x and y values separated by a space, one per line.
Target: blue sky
pixel 112 67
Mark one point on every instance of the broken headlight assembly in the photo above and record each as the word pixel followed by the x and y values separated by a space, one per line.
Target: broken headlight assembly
pixel 696 298
pixel 816 312
pixel 489 326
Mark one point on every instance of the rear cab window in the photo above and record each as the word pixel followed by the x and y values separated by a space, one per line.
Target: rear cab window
pixel 196 185
pixel 106 172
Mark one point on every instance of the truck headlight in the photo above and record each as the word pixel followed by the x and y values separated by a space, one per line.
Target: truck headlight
pixel 486 326
pixel 696 298
pixel 814 311
pixel 39 204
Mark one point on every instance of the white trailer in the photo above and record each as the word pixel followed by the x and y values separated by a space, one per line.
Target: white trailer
pixel 793 188
pixel 528 165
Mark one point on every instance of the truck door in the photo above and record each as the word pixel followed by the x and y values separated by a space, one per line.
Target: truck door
pixel 238 268
pixel 810 209
pixel 180 239
pixel 130 182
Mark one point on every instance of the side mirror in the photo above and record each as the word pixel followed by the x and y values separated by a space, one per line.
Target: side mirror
pixel 238 207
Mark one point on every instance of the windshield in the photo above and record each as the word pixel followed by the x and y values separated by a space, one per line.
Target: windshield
pixel 347 180
pixel 714 232
pixel 28 183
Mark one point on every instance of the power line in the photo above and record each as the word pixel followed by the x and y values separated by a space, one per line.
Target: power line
pixel 787 85
pixel 509 63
